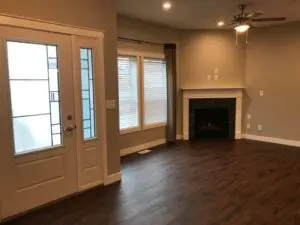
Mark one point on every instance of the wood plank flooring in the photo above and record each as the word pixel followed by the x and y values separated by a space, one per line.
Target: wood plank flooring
pixel 191 183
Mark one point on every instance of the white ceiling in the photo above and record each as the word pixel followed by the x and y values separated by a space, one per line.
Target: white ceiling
pixel 203 14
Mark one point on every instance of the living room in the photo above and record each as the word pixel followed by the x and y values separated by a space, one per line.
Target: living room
pixel 183 118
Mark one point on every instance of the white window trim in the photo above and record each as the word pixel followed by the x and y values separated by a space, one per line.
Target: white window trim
pixel 153 125
pixel 42 25
pixel 140 56
pixel 139 127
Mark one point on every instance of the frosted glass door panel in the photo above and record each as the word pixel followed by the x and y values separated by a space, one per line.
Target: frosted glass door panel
pixel 29 97
pixel 35 100
pixel 26 135
pixel 27 61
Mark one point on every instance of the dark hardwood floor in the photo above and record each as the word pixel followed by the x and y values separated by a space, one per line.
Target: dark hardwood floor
pixel 191 183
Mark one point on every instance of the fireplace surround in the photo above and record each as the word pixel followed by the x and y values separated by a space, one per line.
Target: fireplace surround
pixel 212 94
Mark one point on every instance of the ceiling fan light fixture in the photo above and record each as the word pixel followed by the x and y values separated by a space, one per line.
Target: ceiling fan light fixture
pixel 242 28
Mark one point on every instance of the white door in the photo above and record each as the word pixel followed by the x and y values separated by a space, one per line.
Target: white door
pixel 38 144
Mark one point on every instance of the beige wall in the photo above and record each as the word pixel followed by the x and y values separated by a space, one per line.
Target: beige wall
pixel 270 62
pixel 273 57
pixel 96 14
pixel 201 52
pixel 139 30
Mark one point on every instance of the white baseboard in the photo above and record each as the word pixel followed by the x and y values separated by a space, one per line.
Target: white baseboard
pixel 238 136
pixel 131 150
pixel 112 178
pixel 91 185
pixel 178 137
pixel 272 140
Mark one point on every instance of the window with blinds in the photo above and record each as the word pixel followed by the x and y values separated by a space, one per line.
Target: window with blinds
pixel 128 92
pixel 155 92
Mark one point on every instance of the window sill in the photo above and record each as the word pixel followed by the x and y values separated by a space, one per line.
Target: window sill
pixel 130 130
pixel 138 129
pixel 153 126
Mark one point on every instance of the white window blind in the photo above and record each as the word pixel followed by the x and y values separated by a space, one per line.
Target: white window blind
pixel 128 92
pixel 155 91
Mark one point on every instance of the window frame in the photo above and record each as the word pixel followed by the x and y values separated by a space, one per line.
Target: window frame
pixel 152 125
pixel 139 127
pixel 140 79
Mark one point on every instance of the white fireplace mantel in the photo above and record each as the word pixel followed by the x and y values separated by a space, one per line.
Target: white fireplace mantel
pixel 206 93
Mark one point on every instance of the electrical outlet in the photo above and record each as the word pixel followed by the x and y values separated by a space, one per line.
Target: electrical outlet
pixel 208 77
pixel 216 77
pixel 259 127
pixel 248 126
pixel 249 116
pixel 261 93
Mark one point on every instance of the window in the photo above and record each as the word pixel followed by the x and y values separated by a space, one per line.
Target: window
pixel 142 80
pixel 35 99
pixel 87 91
pixel 155 92
pixel 128 92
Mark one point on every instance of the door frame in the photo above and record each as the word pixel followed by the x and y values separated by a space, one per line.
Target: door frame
pixel 39 25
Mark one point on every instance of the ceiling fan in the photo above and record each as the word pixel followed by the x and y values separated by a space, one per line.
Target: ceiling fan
pixel 244 21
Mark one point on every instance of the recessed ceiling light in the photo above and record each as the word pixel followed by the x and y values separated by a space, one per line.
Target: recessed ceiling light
pixel 221 23
pixel 167 6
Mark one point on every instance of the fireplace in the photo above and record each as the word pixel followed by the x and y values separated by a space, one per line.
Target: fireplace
pixel 221 105
pixel 212 118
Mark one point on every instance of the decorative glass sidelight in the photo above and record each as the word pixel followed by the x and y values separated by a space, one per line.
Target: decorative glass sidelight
pixel 87 92
pixel 35 97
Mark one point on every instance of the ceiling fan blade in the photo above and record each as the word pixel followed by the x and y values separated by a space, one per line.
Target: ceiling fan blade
pixel 255 14
pixel 269 19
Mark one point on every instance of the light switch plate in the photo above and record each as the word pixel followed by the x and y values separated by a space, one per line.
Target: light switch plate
pixel 111 104
pixel 217 70
pixel 216 77
pixel 208 77
pixel 248 126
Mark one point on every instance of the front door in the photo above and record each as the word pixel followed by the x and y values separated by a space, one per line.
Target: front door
pixel 38 138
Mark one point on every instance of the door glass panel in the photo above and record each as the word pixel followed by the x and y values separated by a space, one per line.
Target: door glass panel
pixel 34 87
pixel 26 135
pixel 29 97
pixel 87 93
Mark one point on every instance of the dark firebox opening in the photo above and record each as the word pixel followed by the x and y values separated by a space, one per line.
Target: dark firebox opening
pixel 212 118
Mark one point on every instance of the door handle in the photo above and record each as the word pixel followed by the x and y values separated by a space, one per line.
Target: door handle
pixel 70 128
